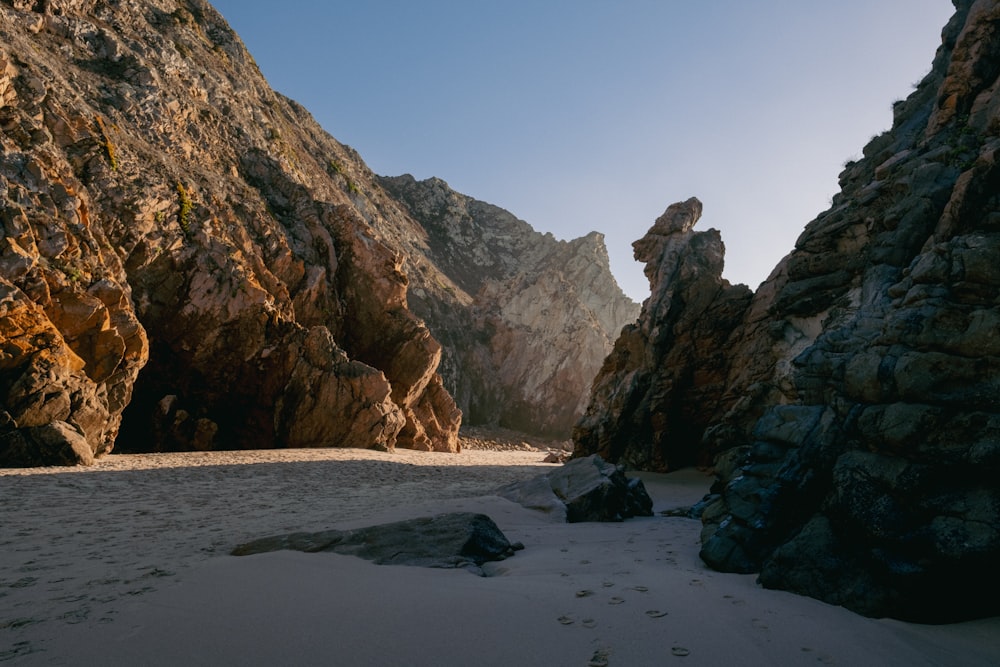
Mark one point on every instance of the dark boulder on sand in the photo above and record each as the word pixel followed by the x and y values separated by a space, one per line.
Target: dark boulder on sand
pixel 453 540
pixel 587 489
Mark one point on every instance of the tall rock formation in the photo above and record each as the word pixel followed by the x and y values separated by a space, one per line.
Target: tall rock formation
pixel 858 438
pixel 664 382
pixel 187 260
pixel 524 319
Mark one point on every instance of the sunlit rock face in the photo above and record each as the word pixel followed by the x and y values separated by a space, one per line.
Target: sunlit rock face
pixel 187 260
pixel 857 437
pixel 524 320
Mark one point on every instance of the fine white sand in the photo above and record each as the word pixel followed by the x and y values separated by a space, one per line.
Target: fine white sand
pixel 127 563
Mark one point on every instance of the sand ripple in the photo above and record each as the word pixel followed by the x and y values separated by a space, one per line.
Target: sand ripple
pixel 76 540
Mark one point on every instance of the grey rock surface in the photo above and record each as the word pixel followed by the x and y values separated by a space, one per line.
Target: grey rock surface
pixel 453 540
pixel 584 489
pixel 854 411
pixel 664 382
pixel 524 319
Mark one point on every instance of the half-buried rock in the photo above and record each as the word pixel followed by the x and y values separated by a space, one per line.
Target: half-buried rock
pixel 454 540
pixel 585 489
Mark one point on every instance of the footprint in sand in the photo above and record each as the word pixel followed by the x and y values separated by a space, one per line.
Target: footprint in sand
pixel 588 623
pixel 641 589
pixel 680 651
pixel 616 600
pixel 584 594
pixel 600 658
pixel 607 584
pixel 656 613
pixel 565 620
pixel 822 657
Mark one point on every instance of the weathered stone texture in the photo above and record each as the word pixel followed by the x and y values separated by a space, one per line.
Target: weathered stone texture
pixel 160 202
pixel 857 442
pixel 524 319
pixel 663 382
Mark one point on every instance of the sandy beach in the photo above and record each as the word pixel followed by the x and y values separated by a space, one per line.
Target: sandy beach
pixel 128 563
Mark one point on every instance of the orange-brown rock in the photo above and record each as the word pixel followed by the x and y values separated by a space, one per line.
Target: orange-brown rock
pixel 161 202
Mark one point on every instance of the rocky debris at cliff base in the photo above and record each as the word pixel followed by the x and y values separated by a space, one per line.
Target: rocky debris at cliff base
pixel 585 489
pixel 561 456
pixel 505 440
pixel 55 443
pixel 454 540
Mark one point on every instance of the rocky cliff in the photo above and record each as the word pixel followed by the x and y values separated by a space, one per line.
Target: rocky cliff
pixel 664 382
pixel 852 407
pixel 524 319
pixel 187 261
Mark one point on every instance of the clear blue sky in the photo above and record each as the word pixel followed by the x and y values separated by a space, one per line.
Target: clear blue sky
pixel 580 115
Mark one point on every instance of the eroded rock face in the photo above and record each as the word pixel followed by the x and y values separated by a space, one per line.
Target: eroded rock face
pixel 524 319
pixel 663 383
pixel 860 440
pixel 71 344
pixel 161 203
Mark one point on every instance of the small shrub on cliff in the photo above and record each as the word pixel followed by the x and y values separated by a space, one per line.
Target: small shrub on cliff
pixel 334 168
pixel 184 208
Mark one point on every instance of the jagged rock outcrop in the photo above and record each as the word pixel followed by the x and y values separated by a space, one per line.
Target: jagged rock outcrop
pixel 585 489
pixel 664 382
pixel 860 447
pixel 160 202
pixel 524 319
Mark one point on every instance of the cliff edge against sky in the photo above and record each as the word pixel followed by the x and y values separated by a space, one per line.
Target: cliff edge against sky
pixel 851 406
pixel 188 261
pixel 524 319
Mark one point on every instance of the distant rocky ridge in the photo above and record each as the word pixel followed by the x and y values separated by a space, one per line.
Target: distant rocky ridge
pixel 851 406
pixel 524 319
